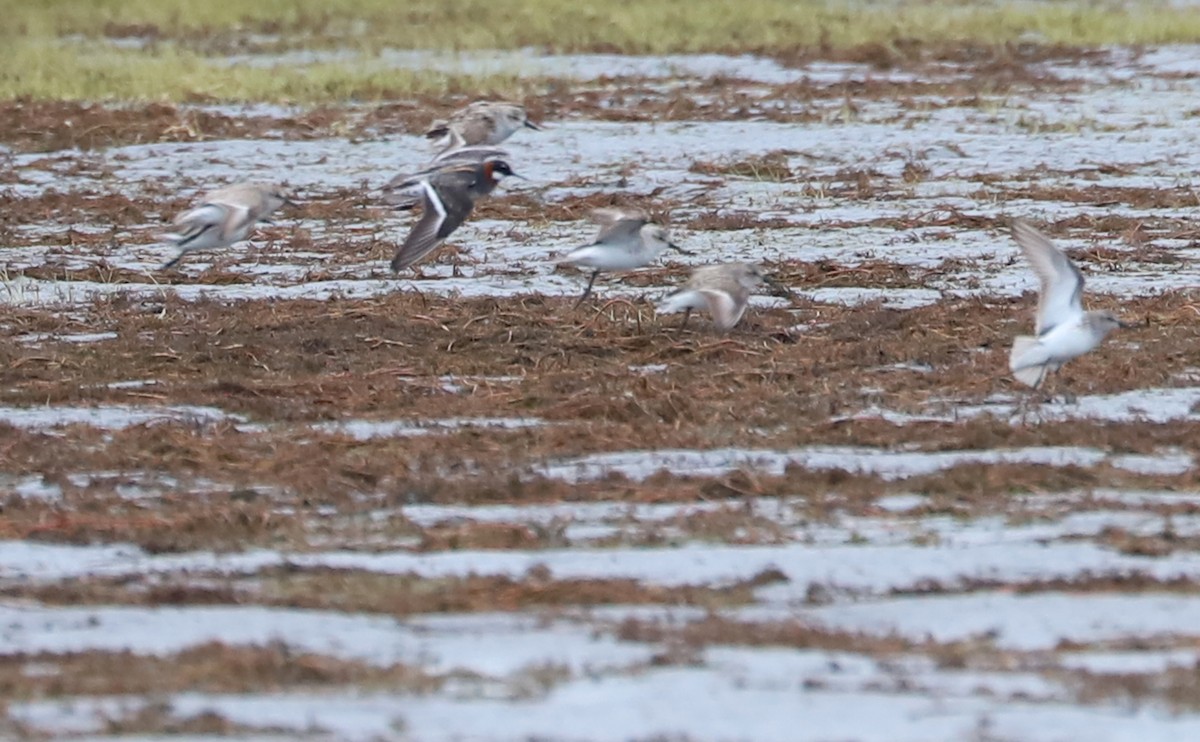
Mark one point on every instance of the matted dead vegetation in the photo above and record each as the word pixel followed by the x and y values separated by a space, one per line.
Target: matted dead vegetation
pixel 319 360
pixel 212 667
pixel 399 595
pixel 287 368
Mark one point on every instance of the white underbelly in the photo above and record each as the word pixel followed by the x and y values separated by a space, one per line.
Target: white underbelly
pixel 608 258
pixel 1068 341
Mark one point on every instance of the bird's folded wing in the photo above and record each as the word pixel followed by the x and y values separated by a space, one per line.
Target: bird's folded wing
pixel 725 310
pixel 237 218
pixel 193 222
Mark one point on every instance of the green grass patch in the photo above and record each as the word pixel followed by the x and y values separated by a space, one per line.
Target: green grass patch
pixel 634 26
pixel 95 71
pixel 64 49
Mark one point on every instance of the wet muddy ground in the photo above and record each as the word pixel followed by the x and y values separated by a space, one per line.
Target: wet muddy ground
pixel 282 493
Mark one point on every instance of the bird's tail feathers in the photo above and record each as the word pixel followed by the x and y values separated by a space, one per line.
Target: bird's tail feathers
pixel 1028 371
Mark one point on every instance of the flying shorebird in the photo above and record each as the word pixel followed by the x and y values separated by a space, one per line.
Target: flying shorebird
pixel 448 194
pixel 1064 330
pixel 481 122
pixel 225 216
pixel 722 290
pixel 627 240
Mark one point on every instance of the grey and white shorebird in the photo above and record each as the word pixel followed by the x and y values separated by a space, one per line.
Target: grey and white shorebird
pixel 481 122
pixel 723 291
pixel 1064 330
pixel 225 216
pixel 627 240
pixel 448 192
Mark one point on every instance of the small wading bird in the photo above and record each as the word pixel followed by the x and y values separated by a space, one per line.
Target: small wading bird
pixel 482 122
pixel 449 190
pixel 1064 330
pixel 627 240
pixel 225 216
pixel 722 290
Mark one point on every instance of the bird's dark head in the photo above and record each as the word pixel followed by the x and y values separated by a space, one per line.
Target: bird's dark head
pixel 495 170
pixel 498 169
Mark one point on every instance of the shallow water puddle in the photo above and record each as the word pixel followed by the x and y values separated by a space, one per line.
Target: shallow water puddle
pixel 1136 405
pixel 1024 622
pixel 81 337
pixel 779 708
pixel 1154 405
pixel 364 430
pixel 111 417
pixel 889 465
pixel 853 566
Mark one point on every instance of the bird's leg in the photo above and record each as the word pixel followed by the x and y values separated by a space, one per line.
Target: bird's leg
pixel 1039 389
pixel 1030 399
pixel 686 314
pixel 588 291
pixel 458 259
pixel 1029 406
pixel 1068 398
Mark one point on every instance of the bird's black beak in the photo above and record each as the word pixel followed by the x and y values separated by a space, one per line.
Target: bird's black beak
pixel 1131 325
pixel 679 249
pixel 290 202
pixel 530 125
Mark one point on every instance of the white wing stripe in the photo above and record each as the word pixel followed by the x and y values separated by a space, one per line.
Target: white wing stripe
pixel 432 194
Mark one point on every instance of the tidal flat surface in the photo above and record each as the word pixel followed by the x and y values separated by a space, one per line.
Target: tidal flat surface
pixel 282 493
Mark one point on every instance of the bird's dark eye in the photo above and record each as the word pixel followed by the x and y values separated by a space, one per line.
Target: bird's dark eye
pixel 502 167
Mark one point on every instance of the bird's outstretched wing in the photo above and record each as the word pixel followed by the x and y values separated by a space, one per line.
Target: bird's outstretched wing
pixel 618 225
pixel 446 204
pixel 1060 298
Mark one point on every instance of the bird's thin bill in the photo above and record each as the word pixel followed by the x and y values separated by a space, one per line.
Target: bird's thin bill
pixel 290 202
pixel 1130 325
pixel 530 125
pixel 679 249
pixel 517 175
